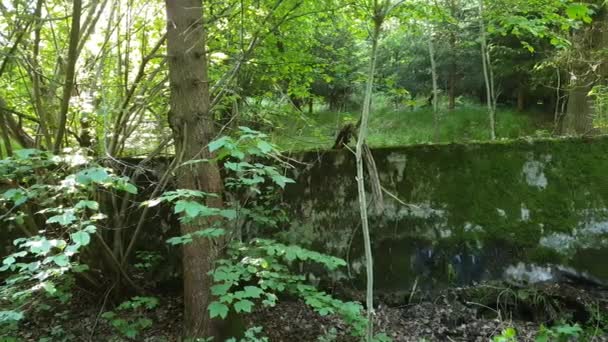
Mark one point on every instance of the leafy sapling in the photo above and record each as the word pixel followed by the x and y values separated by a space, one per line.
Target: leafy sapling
pixel 129 317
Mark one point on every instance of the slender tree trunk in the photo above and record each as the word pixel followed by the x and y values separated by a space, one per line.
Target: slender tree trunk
pixel 361 181
pixel 521 99
pixel 36 80
pixel 435 101
pixel 488 78
pixel 557 114
pixel 5 134
pixel 452 87
pixel 192 126
pixel 453 58
pixel 69 73
pixel 14 128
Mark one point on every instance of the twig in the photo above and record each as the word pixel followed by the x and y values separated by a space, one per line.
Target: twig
pixel 103 305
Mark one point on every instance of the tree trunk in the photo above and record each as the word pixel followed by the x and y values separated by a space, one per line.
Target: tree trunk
pixel 452 87
pixel 579 112
pixel 378 19
pixel 580 109
pixel 453 58
pixel 37 81
pixel 6 139
pixel 487 72
pixel 521 99
pixel 69 74
pixel 435 99
pixel 192 125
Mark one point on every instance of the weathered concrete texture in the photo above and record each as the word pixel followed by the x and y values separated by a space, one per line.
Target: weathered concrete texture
pixel 463 213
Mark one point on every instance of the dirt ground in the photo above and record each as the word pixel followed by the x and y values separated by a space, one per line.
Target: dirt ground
pixel 460 314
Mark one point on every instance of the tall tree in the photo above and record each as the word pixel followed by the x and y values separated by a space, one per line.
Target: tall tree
pixel 588 69
pixel 69 74
pixel 192 125
pixel 487 72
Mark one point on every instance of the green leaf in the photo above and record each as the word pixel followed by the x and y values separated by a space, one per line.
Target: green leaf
pixel 264 146
pixel 510 333
pixel 61 260
pixel 64 219
pixel 248 130
pixel 253 291
pixel 82 238
pixel 180 240
pixel 93 205
pixel 209 232
pixel 49 287
pixel 9 261
pixel 194 209
pixel 220 289
pixel 91 229
pixel 92 175
pixel 281 180
pixel 291 253
pixel 26 153
pixel 130 332
pixel 324 311
pixel 577 11
pixel 218 143
pixel 10 316
pixel 228 213
pixel 217 309
pixel 18 196
pixel 39 246
pixel 130 188
pixel 108 315
pixel 569 330
pixel 243 306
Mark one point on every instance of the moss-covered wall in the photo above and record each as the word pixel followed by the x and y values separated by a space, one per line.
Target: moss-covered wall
pixel 464 211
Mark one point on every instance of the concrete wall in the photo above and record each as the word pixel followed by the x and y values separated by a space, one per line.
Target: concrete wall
pixel 464 212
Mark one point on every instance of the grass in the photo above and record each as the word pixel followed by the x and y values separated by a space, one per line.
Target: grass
pixel 389 127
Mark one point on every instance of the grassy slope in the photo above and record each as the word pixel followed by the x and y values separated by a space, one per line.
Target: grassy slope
pixel 394 128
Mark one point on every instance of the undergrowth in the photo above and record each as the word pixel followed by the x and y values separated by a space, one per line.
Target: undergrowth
pixel 396 127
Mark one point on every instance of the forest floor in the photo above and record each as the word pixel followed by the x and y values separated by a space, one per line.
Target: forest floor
pixel 459 314
pixel 392 127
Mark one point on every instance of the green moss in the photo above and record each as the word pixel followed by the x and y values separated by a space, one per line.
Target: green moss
pixel 470 198
pixel 542 255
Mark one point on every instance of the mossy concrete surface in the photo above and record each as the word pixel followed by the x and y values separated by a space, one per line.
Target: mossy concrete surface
pixel 458 213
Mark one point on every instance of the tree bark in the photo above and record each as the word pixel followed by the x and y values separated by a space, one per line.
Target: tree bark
pixel 5 136
pixel 378 19
pixel 453 58
pixel 192 125
pixel 487 73
pixel 452 88
pixel 37 81
pixel 69 74
pixel 14 128
pixel 435 100
pixel 521 99
pixel 580 109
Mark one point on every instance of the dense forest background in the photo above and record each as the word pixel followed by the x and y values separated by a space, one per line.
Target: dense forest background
pixel 94 91
pixel 296 70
